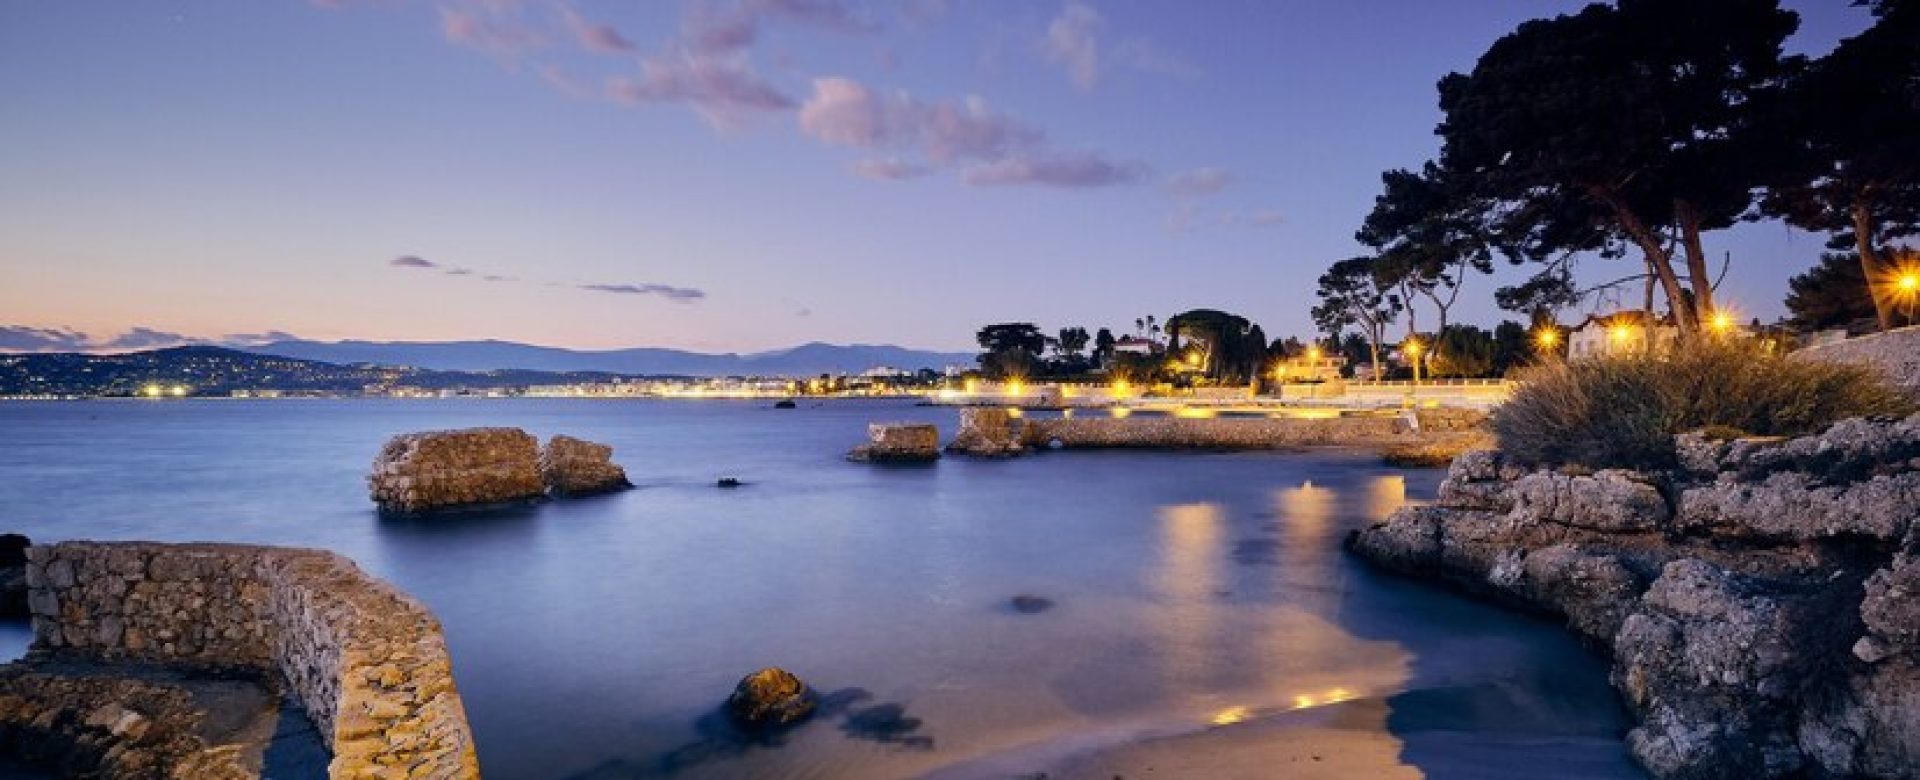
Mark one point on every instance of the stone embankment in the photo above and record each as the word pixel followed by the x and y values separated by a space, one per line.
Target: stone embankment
pixel 997 432
pixel 898 443
pixel 1895 353
pixel 1759 603
pixel 366 662
pixel 436 470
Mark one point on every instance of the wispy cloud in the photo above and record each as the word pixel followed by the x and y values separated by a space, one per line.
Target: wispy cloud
pixel 890 169
pixel 412 261
pixel 1073 170
pixel 1073 39
pixel 1077 40
pixel 1198 182
pixel 595 37
pixel 723 91
pixel 675 294
pixel 21 338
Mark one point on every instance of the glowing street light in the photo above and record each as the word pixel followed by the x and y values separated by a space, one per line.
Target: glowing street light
pixel 1412 348
pixel 1547 338
pixel 1720 323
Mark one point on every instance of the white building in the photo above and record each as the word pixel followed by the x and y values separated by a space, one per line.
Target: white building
pixel 1618 333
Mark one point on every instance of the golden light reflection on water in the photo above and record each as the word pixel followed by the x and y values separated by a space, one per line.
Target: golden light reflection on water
pixel 1385 494
pixel 1188 578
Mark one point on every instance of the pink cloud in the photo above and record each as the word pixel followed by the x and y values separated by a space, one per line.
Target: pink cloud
pixel 1199 182
pixel 845 112
pixel 596 37
pixel 496 34
pixel 726 92
pixel 1074 170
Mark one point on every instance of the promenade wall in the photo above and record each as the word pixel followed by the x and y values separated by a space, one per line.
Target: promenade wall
pixel 365 661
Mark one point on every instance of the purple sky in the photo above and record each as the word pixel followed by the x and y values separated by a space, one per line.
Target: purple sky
pixel 724 175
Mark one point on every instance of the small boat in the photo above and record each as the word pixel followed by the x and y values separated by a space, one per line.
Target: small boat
pixel 785 403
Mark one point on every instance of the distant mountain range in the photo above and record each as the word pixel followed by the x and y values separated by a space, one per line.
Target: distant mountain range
pixel 804 360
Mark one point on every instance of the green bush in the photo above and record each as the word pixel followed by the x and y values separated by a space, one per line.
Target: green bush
pixel 1622 411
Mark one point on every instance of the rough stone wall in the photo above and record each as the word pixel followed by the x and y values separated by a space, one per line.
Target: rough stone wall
pixel 1895 353
pixel 577 467
pixel 417 472
pixel 366 662
pixel 1758 604
pixel 1215 432
pixel 899 442
pixel 988 432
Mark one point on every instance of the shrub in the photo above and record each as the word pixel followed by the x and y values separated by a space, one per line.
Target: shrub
pixel 1622 411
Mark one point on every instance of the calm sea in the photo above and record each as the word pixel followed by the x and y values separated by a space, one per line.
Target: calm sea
pixel 594 638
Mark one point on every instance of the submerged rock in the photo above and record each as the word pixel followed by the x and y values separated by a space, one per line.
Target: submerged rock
pixel 770 698
pixel 577 467
pixel 729 482
pixel 422 472
pixel 785 403
pixel 1026 604
pixel 899 443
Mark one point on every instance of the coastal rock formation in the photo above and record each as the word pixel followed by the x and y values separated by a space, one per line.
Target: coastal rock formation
pixel 899 443
pixel 1895 353
pixel 989 432
pixel 770 698
pixel 365 661
pixel 83 726
pixel 1759 603
pixel 576 467
pixel 421 472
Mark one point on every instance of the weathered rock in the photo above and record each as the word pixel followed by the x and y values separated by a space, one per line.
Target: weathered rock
pixel 1610 501
pixel 576 467
pixel 899 443
pixel 1791 506
pixel 989 432
pixel 770 698
pixel 1768 628
pixel 421 472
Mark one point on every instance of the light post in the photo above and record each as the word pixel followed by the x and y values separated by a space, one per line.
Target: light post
pixel 1908 289
pixel 1412 348
pixel 1547 338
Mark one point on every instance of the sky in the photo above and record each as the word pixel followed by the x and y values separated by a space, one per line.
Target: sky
pixel 722 175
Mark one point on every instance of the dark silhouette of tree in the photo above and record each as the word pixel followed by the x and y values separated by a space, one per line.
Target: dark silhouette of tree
pixel 1072 341
pixel 1852 168
pixel 1462 351
pixel 1232 348
pixel 1351 294
pixel 1103 341
pixel 1010 348
pixel 1429 235
pixel 1635 113
pixel 1832 294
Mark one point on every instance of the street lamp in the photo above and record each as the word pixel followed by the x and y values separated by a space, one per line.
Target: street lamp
pixel 1412 348
pixel 1547 338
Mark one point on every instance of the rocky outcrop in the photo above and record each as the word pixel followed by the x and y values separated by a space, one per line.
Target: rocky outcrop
pixel 84 726
pixel 989 432
pixel 423 472
pixel 365 661
pixel 769 699
pixel 899 443
pixel 1759 603
pixel 1894 353
pixel 577 467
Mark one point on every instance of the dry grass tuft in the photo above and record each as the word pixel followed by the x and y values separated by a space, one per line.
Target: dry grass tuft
pixel 1622 411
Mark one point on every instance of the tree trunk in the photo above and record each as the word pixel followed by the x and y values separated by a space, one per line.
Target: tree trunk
pixel 1702 279
pixel 1862 214
pixel 1658 260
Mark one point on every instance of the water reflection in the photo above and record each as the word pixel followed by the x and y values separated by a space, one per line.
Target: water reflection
pixel 1188 580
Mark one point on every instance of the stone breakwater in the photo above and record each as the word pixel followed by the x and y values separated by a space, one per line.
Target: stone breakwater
pixel 996 432
pixel 1761 604
pixel 898 443
pixel 433 470
pixel 365 661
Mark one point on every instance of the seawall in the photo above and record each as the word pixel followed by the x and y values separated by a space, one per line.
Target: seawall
pixel 1232 432
pixel 366 662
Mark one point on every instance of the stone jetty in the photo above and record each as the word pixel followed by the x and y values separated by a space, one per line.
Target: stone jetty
pixel 1759 602
pixel 125 633
pixel 898 443
pixel 576 467
pixel 999 432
